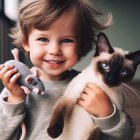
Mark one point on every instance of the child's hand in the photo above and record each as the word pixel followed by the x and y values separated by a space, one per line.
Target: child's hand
pixel 9 76
pixel 95 101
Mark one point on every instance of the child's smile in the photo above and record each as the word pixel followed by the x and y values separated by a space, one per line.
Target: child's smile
pixel 54 63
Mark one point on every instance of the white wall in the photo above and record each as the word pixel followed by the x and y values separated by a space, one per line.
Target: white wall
pixel 125 32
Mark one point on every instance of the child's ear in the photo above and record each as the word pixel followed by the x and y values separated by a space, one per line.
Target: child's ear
pixel 134 56
pixel 103 44
pixel 25 46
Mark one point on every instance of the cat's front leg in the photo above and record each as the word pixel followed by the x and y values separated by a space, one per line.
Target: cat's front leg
pixel 63 107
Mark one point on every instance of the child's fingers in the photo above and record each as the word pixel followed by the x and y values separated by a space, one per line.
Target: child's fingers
pixel 83 96
pixel 4 69
pixel 14 78
pixel 96 92
pixel 80 102
pixel 90 87
pixel 1 66
pixel 88 90
pixel 83 104
pixel 7 76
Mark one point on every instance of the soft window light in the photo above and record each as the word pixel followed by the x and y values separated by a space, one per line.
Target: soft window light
pixel 10 9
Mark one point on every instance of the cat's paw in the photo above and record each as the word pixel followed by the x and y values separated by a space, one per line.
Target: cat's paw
pixel 56 130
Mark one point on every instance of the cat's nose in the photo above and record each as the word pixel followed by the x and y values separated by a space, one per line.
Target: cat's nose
pixel 109 78
pixel 111 81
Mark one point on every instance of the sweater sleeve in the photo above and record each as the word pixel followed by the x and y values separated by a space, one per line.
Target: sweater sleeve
pixel 117 126
pixel 11 116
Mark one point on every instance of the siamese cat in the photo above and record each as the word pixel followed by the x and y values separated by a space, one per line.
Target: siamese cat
pixel 110 69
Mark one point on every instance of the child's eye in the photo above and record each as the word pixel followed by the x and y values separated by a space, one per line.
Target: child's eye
pixel 43 39
pixel 67 41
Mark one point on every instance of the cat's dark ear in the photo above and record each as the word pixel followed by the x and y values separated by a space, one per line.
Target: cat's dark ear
pixel 134 56
pixel 103 45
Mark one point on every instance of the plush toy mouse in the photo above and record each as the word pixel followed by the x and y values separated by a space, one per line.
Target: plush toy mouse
pixel 29 81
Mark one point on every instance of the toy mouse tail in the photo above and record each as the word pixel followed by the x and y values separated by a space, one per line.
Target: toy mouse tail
pixel 23 131
pixel 15 54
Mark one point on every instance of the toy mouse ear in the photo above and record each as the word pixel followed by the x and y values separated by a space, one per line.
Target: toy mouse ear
pixel 28 79
pixel 103 45
pixel 35 71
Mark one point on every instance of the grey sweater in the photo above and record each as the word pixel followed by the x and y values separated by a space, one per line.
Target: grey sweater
pixel 36 111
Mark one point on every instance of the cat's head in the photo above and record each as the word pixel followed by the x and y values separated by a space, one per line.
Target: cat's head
pixel 114 65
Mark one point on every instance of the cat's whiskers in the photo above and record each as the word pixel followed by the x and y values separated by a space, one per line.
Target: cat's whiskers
pixel 120 91
pixel 126 95
pixel 131 92
pixel 131 97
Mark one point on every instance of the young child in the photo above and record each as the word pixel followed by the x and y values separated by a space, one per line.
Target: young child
pixel 56 35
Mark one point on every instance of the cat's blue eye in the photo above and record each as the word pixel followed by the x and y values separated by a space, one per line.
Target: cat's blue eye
pixel 123 72
pixel 43 39
pixel 105 66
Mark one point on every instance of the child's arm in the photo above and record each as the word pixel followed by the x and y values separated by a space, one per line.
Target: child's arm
pixel 12 104
pixel 11 117
pixel 114 124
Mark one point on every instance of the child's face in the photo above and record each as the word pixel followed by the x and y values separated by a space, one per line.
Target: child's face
pixel 55 50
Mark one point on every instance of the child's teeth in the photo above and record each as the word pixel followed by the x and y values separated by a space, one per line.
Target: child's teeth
pixel 54 62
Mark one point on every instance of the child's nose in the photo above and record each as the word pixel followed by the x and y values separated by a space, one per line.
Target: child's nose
pixel 54 49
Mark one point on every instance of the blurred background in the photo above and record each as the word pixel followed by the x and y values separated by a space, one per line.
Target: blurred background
pixel 124 33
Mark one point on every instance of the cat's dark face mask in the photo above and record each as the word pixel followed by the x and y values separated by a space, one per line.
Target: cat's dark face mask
pixel 118 68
